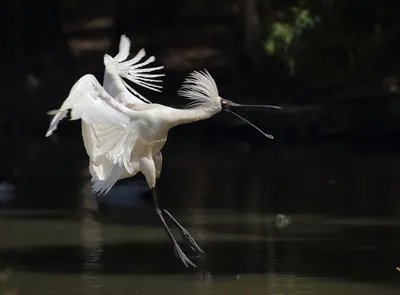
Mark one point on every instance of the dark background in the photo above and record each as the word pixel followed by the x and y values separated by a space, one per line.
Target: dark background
pixel 332 65
pixel 332 171
pixel 344 54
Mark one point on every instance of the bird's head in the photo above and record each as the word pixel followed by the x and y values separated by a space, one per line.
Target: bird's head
pixel 201 88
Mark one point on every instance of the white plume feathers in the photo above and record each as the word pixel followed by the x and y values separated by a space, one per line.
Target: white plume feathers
pixel 134 70
pixel 201 88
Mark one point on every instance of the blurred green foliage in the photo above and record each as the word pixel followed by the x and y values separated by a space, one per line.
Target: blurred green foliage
pixel 330 42
pixel 283 36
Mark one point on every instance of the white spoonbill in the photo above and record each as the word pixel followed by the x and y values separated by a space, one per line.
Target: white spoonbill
pixel 124 133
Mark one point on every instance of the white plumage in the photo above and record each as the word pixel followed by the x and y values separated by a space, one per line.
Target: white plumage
pixel 201 89
pixel 123 132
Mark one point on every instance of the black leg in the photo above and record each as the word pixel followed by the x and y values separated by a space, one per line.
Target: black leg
pixel 178 251
pixel 185 234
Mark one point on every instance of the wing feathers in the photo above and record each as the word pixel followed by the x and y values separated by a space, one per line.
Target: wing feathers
pixel 124 48
pixel 132 70
pixel 56 119
pixel 110 130
pixel 114 156
pixel 90 102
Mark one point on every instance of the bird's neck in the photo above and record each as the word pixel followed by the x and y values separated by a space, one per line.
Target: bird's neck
pixel 184 116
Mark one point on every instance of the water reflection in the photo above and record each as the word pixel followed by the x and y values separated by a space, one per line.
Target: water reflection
pixel 7 193
pixel 132 258
pixel 92 244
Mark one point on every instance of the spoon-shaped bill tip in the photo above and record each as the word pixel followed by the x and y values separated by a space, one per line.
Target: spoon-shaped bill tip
pixel 251 124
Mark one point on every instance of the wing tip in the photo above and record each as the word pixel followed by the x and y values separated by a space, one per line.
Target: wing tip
pixel 124 38
pixel 52 112
pixel 101 187
pixel 142 51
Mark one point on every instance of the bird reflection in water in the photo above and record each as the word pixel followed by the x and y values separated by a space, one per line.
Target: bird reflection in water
pixel 92 249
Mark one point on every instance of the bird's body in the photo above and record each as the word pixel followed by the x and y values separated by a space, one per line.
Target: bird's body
pixel 134 127
pixel 148 130
pixel 123 132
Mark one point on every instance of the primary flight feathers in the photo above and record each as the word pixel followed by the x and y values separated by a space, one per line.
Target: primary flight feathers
pixel 110 108
pixel 87 92
pixel 132 70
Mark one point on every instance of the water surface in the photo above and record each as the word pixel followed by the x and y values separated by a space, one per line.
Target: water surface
pixel 317 219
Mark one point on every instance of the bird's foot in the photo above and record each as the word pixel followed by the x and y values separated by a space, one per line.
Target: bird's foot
pixel 192 243
pixel 182 256
pixel 185 235
pixel 178 251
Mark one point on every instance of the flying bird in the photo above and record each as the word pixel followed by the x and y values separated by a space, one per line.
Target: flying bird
pixel 123 132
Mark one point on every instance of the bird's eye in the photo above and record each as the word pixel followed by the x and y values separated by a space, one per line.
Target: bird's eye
pixel 224 104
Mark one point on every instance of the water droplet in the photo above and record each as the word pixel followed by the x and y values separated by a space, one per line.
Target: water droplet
pixel 282 220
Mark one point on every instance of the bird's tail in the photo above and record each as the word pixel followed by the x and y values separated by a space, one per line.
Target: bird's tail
pixel 133 69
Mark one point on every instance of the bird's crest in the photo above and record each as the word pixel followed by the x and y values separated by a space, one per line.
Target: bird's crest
pixel 200 87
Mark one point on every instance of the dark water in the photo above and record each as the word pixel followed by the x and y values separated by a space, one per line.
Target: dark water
pixel 316 219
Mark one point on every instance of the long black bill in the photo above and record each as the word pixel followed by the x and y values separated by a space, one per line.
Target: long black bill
pixel 232 104
pixel 227 104
pixel 237 115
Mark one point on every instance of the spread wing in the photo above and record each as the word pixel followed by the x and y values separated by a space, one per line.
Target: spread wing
pixel 116 125
pixel 89 101
pixel 135 70
pixel 100 140
pixel 110 130
pixel 111 148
